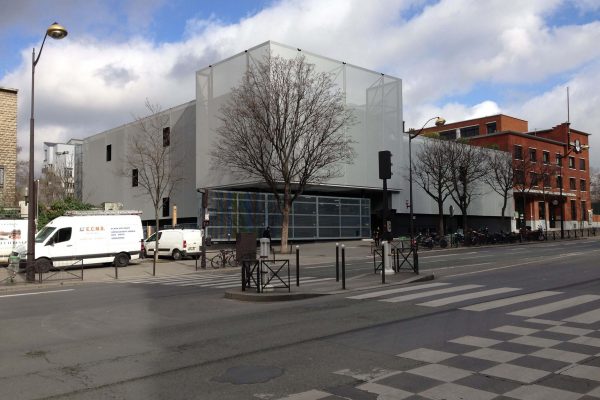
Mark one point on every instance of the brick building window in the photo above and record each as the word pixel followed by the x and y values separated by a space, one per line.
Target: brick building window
pixel 582 164
pixel 134 177
pixel 518 152
pixel 572 184
pixel 448 135
pixel 491 127
pixel 573 210
pixel 533 178
pixel 519 177
pixel 532 155
pixel 559 159
pixel 582 185
pixel 559 181
pixel 572 162
pixel 1 176
pixel 469 131
pixel 546 157
pixel 547 181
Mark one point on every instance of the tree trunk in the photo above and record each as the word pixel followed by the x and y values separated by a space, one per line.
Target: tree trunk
pixel 464 219
pixel 504 208
pixel 285 223
pixel 440 218
pixel 155 257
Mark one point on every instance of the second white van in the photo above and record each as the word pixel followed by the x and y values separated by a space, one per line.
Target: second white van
pixel 175 243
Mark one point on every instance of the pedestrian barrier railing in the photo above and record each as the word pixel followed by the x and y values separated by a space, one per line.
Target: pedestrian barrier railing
pixel 265 275
pixel 72 270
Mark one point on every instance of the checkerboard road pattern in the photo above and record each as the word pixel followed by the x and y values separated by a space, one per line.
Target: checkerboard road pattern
pixel 553 353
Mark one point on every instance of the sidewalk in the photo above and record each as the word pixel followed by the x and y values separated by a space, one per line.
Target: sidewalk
pixel 311 254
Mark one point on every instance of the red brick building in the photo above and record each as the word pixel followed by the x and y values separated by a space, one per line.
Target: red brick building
pixel 541 159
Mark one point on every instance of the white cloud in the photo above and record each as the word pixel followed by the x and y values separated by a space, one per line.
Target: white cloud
pixel 86 85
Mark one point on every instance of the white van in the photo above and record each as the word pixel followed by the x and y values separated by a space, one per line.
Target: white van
pixel 88 239
pixel 13 234
pixel 175 243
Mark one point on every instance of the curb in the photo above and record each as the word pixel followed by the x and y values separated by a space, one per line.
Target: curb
pixel 237 294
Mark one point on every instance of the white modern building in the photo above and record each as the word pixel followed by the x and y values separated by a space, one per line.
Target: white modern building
pixel 345 207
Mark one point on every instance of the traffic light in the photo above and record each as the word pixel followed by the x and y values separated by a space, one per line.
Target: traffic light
pixel 385 164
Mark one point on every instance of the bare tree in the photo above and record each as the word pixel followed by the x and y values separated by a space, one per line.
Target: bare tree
pixel 150 163
pixel 468 165
pixel 545 172
pixel 501 176
pixel 57 182
pixel 525 177
pixel 21 176
pixel 430 172
pixel 595 184
pixel 285 125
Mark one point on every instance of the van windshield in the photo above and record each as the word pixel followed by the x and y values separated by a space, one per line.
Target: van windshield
pixel 44 234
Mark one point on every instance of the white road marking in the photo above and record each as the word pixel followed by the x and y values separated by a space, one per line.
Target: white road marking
pixel 430 293
pixel 36 293
pixel 511 300
pixel 397 290
pixel 556 306
pixel 586 318
pixel 468 296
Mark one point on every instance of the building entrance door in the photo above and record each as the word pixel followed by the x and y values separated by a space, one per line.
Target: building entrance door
pixel 552 210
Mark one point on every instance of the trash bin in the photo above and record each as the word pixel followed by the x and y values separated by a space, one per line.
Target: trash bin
pixel 13 265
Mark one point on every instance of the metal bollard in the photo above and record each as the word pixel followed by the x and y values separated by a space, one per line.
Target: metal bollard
pixel 343 267
pixel 243 276
pixel 258 276
pixel 297 265
pixel 384 259
pixel 116 272
pixel 337 262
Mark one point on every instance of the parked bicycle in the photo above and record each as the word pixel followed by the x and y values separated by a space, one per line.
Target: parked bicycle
pixel 224 258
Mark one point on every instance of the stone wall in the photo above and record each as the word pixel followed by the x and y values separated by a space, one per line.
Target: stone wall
pixel 8 145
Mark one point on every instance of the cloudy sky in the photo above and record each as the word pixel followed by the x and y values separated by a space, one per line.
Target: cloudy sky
pixel 457 58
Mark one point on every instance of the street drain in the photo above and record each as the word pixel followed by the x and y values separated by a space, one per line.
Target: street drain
pixel 249 374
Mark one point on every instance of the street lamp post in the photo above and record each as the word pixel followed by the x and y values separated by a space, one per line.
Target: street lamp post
pixel 568 149
pixel 439 121
pixel 55 31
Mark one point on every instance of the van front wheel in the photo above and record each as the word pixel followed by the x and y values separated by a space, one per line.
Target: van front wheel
pixel 121 260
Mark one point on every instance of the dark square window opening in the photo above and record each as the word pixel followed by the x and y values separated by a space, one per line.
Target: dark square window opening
pixel 491 127
pixel 1 176
pixel 134 177
pixel 572 184
pixel 571 162
pixel 582 164
pixel 559 181
pixel 165 207
pixel 108 152
pixel 582 185
pixel 166 136
pixel 559 160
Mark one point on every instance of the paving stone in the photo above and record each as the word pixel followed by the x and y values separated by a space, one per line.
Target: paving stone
pixel 488 383
pixel 540 363
pixel 469 363
pixel 569 383
pixel 409 382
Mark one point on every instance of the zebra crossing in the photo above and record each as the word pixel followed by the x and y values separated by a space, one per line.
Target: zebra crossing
pixel 534 305
pixel 205 280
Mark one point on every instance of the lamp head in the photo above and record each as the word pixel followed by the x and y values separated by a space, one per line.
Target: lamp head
pixel 56 31
pixel 439 121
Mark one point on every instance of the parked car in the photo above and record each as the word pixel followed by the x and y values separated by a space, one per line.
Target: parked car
pixel 175 243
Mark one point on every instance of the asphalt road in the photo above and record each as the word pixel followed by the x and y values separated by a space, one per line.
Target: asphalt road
pixel 443 339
